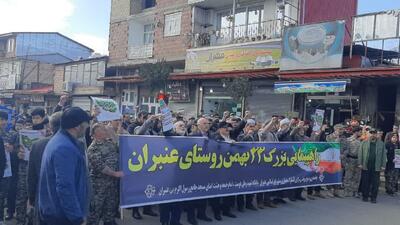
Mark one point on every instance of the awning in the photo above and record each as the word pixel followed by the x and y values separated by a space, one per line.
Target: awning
pixel 375 72
pixel 42 90
pixel 253 74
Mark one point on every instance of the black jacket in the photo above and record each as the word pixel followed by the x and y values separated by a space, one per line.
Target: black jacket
pixel 390 148
pixel 35 162
pixel 3 159
pixel 235 132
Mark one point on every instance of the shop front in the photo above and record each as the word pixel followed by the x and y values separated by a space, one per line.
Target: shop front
pixel 371 94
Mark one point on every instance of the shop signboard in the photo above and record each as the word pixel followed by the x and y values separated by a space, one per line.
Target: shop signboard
pixel 178 91
pixel 310 87
pixel 243 57
pixel 315 46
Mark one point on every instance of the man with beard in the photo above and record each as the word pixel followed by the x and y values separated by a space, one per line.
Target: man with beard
pixel 372 160
pixel 63 197
pixel 353 173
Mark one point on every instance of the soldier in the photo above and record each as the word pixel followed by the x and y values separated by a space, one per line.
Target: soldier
pixel 353 173
pixel 103 167
pixel 338 136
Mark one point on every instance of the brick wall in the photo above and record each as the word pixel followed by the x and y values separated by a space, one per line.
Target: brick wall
pixel 172 48
pixel 118 42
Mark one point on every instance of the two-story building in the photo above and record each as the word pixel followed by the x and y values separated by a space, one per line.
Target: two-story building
pixel 27 66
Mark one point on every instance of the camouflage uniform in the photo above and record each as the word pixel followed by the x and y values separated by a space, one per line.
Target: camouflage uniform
pixel 343 146
pixel 104 201
pixel 22 193
pixel 353 173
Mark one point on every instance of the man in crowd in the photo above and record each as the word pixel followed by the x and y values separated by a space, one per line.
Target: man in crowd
pixel 249 135
pixel 372 160
pixel 353 173
pixel 3 166
pixel 389 135
pixel 339 137
pixel 63 184
pixel 104 174
pixel 200 206
pixel 224 204
pixel 267 133
pixel 391 173
pixel 170 213
pixel 10 140
pixel 35 161
pixel 39 122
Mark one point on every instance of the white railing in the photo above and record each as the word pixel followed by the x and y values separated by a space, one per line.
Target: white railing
pixel 243 33
pixel 140 52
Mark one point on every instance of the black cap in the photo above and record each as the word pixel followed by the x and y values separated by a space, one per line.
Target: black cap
pixel 73 117
pixel 372 130
pixel 224 124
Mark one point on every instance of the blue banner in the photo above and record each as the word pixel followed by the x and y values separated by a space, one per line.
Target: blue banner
pixel 169 169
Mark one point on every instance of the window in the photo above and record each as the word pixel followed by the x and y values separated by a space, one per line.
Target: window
pixel 10 45
pixel 149 4
pixel 172 25
pixel 148 35
pixel 150 104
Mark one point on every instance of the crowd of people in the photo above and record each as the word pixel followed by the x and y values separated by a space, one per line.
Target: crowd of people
pixel 72 175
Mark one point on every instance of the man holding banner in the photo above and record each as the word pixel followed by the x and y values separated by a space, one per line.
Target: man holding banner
pixel 180 169
pixel 103 167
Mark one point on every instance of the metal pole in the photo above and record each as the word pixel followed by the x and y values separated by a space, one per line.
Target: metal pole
pixel 233 21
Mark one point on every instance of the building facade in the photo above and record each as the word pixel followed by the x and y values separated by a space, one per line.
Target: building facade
pixel 208 42
pixel 27 66
pixel 79 80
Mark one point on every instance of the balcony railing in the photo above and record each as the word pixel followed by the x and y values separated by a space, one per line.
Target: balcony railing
pixel 242 33
pixel 140 52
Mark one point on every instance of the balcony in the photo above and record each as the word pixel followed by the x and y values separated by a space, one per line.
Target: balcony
pixel 266 30
pixel 140 52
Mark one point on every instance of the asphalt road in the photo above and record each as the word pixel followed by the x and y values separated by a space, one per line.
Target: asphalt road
pixel 330 211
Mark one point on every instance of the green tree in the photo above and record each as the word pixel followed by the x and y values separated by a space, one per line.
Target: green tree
pixel 155 75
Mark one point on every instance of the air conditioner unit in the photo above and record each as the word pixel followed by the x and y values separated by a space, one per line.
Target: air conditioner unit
pixel 68 86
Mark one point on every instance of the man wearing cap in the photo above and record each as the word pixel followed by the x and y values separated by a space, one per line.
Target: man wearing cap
pixel 35 160
pixel 353 173
pixel 223 204
pixel 372 160
pixel 103 166
pixel 63 184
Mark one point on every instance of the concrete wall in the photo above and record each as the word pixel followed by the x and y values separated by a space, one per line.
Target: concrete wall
pixel 58 79
pixel 120 10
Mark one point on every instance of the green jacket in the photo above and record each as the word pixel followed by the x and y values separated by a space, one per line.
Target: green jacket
pixel 363 154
